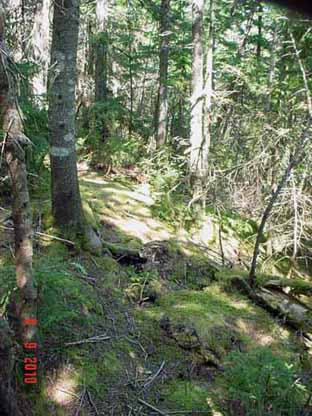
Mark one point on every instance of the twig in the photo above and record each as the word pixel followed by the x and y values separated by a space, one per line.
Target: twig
pixel 183 412
pixel 94 262
pixel 98 338
pixel 53 237
pixel 150 381
pixel 69 393
pixel 153 407
pixel 82 397
pixel 139 344
pixel 92 403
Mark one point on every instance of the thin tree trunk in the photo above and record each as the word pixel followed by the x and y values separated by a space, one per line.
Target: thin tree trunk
pixel 198 162
pixel 15 141
pixel 141 102
pixel 131 92
pixel 208 86
pixel 162 100
pixel 258 49
pixel 268 104
pixel 25 302
pixel 296 219
pixel 41 46
pixel 101 61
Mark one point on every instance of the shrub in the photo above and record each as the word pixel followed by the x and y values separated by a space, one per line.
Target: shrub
pixel 262 383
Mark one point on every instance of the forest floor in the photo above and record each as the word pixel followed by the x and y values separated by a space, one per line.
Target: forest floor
pixel 120 336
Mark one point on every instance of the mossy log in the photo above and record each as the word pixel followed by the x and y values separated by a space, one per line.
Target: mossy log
pixel 296 286
pixel 292 312
pixel 124 253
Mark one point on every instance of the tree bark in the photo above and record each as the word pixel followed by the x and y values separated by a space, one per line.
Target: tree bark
pixel 290 310
pixel 41 46
pixel 24 306
pixel 162 100
pixel 198 154
pixel 101 61
pixel 15 142
pixel 208 86
pixel 66 201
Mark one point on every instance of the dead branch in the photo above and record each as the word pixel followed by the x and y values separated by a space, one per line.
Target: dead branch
pixel 98 338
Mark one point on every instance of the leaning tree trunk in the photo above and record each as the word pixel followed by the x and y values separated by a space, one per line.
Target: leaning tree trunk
pixel 101 62
pixel 198 155
pixel 295 160
pixel 14 142
pixel 162 100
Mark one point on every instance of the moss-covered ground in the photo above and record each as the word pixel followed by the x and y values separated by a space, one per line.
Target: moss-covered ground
pixel 167 338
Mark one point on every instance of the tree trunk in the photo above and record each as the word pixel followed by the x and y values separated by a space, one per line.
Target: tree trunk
pixel 258 49
pixel 162 100
pixel 101 61
pixel 15 141
pixel 198 155
pixel 66 201
pixel 208 87
pixel 41 46
pixel 25 302
pixel 295 159
pixel 268 104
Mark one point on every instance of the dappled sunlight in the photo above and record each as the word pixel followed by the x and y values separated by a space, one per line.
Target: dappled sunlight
pixel 249 328
pixel 63 388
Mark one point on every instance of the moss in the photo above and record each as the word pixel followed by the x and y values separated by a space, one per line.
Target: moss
pixel 223 321
pixel 162 348
pixel 111 275
pixel 55 249
pixel 186 396
pixel 65 301
pixel 89 215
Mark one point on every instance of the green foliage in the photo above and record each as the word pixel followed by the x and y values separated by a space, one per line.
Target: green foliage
pixel 166 171
pixel 244 228
pixel 119 152
pixel 36 128
pixel 188 396
pixel 263 383
pixel 140 283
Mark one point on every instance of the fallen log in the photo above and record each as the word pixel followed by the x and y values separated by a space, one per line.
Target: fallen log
pixel 291 311
pixel 124 254
pixel 296 286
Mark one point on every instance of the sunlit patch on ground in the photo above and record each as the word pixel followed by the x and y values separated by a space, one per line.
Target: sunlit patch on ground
pixel 62 388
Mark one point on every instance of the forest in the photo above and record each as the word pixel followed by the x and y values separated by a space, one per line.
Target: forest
pixel 155 208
